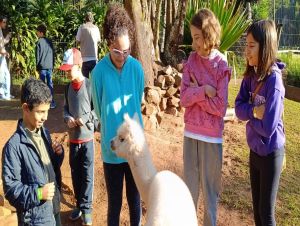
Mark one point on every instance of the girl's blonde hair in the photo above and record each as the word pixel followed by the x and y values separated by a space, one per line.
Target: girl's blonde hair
pixel 263 32
pixel 206 21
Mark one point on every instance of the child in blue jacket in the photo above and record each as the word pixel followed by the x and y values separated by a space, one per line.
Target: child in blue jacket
pixel 31 161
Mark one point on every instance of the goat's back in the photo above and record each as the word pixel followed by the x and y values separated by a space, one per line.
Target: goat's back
pixel 170 202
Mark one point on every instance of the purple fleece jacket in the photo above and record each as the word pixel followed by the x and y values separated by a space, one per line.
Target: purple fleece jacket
pixel 267 135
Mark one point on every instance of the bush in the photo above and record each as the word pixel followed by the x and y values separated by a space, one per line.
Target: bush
pixel 292 67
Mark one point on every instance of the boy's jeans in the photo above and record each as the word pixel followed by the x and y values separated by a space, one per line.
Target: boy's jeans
pixel 114 177
pixel 46 76
pixel 82 171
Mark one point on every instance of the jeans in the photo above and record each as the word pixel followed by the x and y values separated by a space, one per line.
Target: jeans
pixel 46 76
pixel 82 171
pixel 87 67
pixel 4 79
pixel 114 176
pixel 264 177
pixel 202 164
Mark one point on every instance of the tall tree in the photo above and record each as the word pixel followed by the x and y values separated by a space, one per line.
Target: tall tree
pixel 143 45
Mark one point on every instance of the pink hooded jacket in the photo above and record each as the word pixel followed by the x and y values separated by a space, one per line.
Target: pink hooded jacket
pixel 204 115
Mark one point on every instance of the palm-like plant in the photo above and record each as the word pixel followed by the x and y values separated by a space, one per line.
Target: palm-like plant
pixel 232 17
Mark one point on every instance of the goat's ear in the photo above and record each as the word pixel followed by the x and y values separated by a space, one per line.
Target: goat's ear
pixel 136 118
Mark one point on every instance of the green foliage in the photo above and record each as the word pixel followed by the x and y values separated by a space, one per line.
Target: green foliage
pixel 62 19
pixel 261 10
pixel 231 15
pixel 292 66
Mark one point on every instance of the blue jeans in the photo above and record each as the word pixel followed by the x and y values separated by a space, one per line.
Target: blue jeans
pixel 46 76
pixel 87 67
pixel 114 176
pixel 82 171
pixel 4 79
pixel 264 177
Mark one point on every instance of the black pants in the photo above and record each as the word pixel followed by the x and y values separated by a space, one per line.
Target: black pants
pixel 87 67
pixel 114 177
pixel 264 176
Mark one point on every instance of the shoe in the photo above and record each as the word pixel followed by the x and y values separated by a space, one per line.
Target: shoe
pixel 75 215
pixel 86 219
pixel 53 105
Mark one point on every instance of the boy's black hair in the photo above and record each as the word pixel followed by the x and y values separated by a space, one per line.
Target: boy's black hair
pixel 2 17
pixel 35 92
pixel 42 28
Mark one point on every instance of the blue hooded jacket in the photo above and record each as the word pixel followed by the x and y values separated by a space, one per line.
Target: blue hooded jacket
pixel 114 94
pixel 23 173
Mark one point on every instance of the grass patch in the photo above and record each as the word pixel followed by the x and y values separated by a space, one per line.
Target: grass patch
pixel 236 192
pixel 58 78
pixel 292 66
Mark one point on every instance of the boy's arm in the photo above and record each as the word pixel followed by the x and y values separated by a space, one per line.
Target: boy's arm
pixel 21 196
pixel 37 54
pixel 67 114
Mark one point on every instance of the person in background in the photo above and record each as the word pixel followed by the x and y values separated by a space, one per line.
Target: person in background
pixel 204 92
pixel 44 53
pixel 88 37
pixel 81 122
pixel 31 161
pixel 117 89
pixel 260 102
pixel 5 81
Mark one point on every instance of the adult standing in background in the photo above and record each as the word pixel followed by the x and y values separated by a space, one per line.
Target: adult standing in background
pixel 88 36
pixel 4 72
pixel 44 55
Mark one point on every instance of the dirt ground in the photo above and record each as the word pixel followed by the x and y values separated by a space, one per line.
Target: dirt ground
pixel 165 145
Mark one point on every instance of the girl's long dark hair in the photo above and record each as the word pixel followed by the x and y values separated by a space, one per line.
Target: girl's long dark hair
pixel 264 32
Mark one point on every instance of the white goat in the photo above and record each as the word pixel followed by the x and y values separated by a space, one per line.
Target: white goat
pixel 167 198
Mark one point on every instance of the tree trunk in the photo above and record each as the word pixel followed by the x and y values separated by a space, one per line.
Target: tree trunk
pixel 155 24
pixel 175 36
pixel 143 45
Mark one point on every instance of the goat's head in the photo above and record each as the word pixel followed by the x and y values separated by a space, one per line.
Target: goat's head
pixel 130 139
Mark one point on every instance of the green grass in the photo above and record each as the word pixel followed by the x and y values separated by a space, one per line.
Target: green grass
pixel 58 78
pixel 292 67
pixel 236 192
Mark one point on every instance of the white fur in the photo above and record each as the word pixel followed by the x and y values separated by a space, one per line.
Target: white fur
pixel 167 198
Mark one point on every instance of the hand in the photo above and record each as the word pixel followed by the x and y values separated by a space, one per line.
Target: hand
pixel 48 191
pixel 71 122
pixel 210 91
pixel 259 111
pixel 79 122
pixel 194 82
pixel 57 148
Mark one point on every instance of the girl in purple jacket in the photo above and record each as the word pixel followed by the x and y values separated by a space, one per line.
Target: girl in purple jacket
pixel 260 102
pixel 204 91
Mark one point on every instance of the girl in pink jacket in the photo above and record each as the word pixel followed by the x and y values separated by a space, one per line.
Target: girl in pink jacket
pixel 204 91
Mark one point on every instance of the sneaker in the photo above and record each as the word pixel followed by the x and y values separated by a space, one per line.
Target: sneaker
pixel 86 219
pixel 75 215
pixel 53 105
